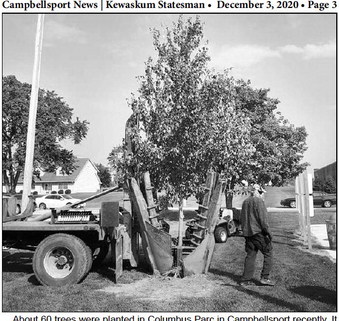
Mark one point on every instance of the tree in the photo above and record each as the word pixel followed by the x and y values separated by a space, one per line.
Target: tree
pixel 53 124
pixel 104 175
pixel 188 119
pixel 279 145
pixel 318 184
pixel 180 133
pixel 180 130
pixel 330 185
pixel 115 162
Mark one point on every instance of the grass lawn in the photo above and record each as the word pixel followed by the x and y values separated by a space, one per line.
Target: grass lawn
pixel 305 282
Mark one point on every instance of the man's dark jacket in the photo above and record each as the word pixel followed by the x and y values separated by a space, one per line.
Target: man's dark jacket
pixel 253 216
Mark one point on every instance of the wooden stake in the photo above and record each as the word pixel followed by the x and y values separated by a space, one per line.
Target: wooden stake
pixel 180 231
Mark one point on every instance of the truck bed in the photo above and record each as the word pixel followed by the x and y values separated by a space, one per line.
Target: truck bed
pixel 47 226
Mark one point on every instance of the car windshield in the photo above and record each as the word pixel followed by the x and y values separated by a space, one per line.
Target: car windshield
pixel 67 196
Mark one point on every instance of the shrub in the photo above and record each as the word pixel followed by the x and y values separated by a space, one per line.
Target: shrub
pixel 330 185
pixel 53 192
pixel 318 184
pixel 68 191
pixel 61 191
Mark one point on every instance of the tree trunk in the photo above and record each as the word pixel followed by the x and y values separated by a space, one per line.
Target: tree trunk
pixel 5 181
pixel 180 231
pixel 229 199
pixel 13 181
pixel 16 178
pixel 229 194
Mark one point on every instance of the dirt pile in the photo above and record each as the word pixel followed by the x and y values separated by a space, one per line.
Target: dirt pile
pixel 166 288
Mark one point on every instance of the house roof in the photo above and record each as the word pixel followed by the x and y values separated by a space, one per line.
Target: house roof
pixel 53 178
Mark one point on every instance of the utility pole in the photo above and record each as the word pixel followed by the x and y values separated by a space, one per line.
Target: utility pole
pixel 28 171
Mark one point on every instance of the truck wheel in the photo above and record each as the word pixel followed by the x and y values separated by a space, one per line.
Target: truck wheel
pixel 100 252
pixel 42 206
pixel 61 259
pixel 231 227
pixel 220 234
pixel 89 254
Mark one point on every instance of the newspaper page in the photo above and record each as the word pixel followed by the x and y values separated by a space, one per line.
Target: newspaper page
pixel 90 88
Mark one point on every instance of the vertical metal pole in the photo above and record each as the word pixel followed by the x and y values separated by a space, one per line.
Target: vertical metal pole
pixel 298 203
pixel 303 207
pixel 28 171
pixel 310 193
pixel 308 209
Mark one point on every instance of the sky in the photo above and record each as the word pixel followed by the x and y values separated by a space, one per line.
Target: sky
pixel 93 60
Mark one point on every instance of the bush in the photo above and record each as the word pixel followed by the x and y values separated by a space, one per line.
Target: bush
pixel 35 193
pixel 330 185
pixel 53 192
pixel 318 184
pixel 68 191
pixel 61 191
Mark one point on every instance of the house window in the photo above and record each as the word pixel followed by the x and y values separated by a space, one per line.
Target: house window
pixel 47 187
pixel 63 186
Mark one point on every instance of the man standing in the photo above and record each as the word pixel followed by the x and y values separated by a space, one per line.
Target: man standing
pixel 258 238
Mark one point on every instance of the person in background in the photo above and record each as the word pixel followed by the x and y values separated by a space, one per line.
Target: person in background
pixel 257 236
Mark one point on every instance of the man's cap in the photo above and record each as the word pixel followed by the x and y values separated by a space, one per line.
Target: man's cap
pixel 257 187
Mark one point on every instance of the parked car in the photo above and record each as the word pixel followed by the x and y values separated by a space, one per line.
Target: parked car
pixel 55 200
pixel 319 198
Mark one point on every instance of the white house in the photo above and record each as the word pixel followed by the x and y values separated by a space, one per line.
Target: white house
pixel 83 179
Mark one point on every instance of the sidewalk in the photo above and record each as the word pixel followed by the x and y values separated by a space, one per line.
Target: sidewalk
pixel 319 232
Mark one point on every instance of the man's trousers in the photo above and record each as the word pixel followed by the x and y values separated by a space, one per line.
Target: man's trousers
pixel 255 243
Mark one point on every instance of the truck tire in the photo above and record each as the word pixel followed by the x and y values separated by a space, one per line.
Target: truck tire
pixel 220 234
pixel 89 254
pixel 42 206
pixel 100 252
pixel 61 259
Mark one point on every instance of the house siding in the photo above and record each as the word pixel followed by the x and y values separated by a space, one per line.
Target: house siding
pixel 87 180
pixel 39 188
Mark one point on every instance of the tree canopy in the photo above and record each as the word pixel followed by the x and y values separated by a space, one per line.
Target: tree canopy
pixel 53 124
pixel 279 145
pixel 104 175
pixel 115 163
pixel 184 116
pixel 188 119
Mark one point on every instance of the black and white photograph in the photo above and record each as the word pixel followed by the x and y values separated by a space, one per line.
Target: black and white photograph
pixel 176 166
